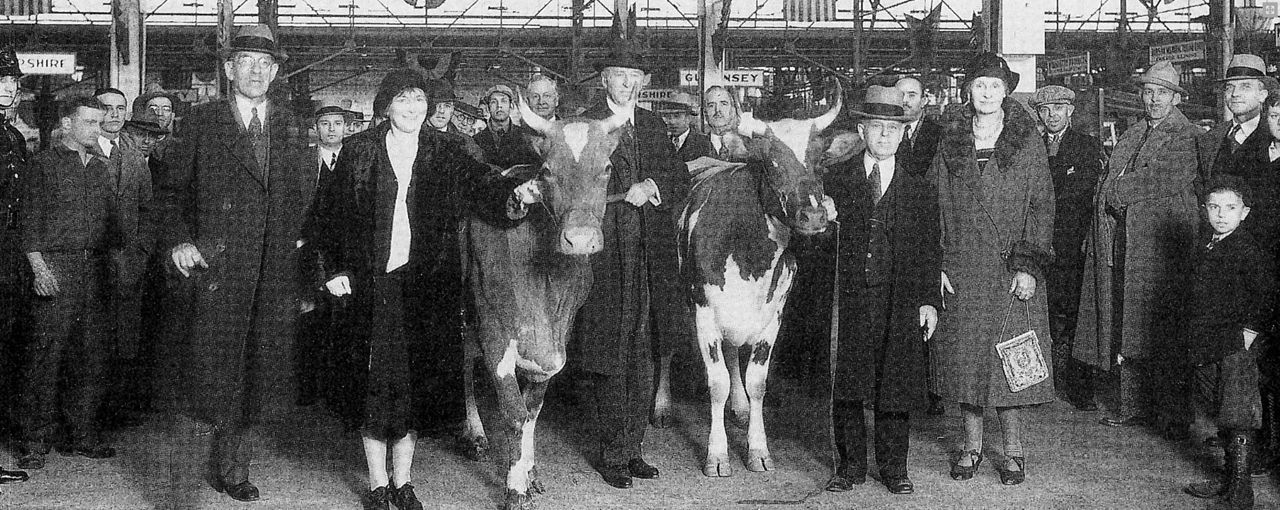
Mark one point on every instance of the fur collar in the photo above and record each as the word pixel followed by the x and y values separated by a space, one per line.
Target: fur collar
pixel 957 146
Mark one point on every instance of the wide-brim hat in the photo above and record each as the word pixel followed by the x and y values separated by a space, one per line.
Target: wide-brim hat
pixel 9 63
pixel 624 54
pixel 1249 67
pixel 680 102
pixel 395 82
pixel 468 109
pixel 148 122
pixel 883 103
pixel 1164 74
pixel 257 38
pixel 990 65
pixel 332 110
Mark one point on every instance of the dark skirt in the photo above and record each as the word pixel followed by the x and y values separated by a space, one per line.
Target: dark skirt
pixel 388 400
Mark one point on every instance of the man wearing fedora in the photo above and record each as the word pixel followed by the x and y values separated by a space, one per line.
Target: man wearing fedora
pixel 613 327
pixel 15 292
pixel 231 213
pixel 1075 162
pixel 889 280
pixel 679 114
pixel 1137 253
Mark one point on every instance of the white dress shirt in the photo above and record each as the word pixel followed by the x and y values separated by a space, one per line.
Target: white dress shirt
pixel 886 169
pixel 1247 128
pixel 681 138
pixel 245 107
pixel 402 157
pixel 104 143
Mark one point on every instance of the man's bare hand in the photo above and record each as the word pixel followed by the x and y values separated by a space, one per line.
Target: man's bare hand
pixel 45 283
pixel 928 320
pixel 339 286
pixel 641 192
pixel 186 257
pixel 1023 286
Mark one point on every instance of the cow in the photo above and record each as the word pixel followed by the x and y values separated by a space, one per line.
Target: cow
pixel 529 281
pixel 734 231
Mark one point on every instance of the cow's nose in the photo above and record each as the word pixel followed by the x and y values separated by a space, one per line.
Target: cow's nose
pixel 811 220
pixel 581 240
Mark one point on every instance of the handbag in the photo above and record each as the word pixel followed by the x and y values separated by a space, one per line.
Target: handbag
pixel 1021 356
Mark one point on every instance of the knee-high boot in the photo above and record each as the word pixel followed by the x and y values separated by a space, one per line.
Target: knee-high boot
pixel 1217 485
pixel 851 445
pixel 1239 491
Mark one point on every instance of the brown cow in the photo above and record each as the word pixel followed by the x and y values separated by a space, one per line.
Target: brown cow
pixel 529 282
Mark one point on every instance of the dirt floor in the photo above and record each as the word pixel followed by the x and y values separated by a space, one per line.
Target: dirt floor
pixel 305 461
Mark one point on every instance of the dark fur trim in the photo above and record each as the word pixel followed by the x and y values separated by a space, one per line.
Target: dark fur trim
pixel 1029 258
pixel 957 145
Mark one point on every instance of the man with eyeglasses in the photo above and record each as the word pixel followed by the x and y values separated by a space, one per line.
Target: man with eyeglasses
pixel 231 214
pixel 163 105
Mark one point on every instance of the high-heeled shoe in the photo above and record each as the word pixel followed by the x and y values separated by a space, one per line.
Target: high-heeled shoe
pixel 1008 477
pixel 959 472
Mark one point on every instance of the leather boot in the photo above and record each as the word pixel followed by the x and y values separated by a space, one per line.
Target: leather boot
pixel 851 445
pixel 1267 447
pixel 1216 486
pixel 1239 493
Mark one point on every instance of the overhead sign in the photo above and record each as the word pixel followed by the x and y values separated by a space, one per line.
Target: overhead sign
pixel 47 63
pixel 652 95
pixel 1067 66
pixel 730 77
pixel 1177 52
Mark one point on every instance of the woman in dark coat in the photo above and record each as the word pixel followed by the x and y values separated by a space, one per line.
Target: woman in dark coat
pixel 388 235
pixel 996 200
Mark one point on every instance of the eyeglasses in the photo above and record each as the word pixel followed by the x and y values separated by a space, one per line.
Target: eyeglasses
pixel 161 109
pixel 249 61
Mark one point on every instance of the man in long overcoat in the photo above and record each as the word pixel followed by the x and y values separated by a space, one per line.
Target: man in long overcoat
pixel 232 211
pixel 613 326
pixel 1144 224
pixel 889 267
pixel 1075 162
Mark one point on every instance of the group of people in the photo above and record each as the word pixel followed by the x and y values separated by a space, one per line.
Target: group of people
pixel 959 234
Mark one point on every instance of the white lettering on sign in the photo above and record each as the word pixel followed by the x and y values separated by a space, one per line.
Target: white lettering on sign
pixel 730 77
pixel 1177 52
pixel 47 63
pixel 1065 66
pixel 651 95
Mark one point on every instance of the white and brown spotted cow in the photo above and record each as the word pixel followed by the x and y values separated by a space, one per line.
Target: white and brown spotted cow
pixel 733 255
pixel 530 281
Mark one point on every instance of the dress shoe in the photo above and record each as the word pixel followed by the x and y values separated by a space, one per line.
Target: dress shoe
pixel 243 491
pixel 616 476
pixel 97 451
pixel 959 472
pixel 1009 477
pixel 404 498
pixel 899 485
pixel 1131 421
pixel 641 469
pixel 7 476
pixel 377 499
pixel 846 477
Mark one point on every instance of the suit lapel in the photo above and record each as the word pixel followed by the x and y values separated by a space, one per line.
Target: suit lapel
pixel 236 142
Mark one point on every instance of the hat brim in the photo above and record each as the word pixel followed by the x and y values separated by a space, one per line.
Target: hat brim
pixel 1055 101
pixel 1141 80
pixel 861 115
pixel 1267 81
pixel 629 64
pixel 279 55
pixel 147 127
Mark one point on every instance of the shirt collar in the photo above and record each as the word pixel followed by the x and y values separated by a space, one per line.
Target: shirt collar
pixel 245 107
pixel 886 165
pixel 628 112
pixel 1248 127
pixel 680 138
pixel 104 143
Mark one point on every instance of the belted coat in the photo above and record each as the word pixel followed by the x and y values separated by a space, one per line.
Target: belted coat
pixel 246 221
pixel 1152 183
pixel 995 222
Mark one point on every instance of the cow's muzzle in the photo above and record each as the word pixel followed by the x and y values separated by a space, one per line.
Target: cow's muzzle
pixel 810 220
pixel 581 240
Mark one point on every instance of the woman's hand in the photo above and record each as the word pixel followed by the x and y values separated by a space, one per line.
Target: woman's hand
pixel 339 286
pixel 1023 286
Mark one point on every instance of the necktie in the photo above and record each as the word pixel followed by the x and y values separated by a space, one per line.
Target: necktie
pixel 333 160
pixel 875 183
pixel 1231 137
pixel 906 136
pixel 258 138
pixel 115 145
pixel 675 141
pixel 1051 144
pixel 1213 241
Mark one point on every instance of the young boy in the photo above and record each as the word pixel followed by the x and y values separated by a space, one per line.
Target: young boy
pixel 1230 302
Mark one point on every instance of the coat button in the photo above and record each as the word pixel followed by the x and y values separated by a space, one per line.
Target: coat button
pixel 221 246
pixel 226 206
pixel 213 286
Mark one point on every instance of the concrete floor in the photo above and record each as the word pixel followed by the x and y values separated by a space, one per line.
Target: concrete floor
pixel 305 461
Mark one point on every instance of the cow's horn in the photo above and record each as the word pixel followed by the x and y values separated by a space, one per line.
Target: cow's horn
pixel 821 123
pixel 531 119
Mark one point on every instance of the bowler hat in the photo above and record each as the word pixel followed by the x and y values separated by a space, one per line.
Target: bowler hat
pixel 9 63
pixel 990 65
pixel 883 103
pixel 680 102
pixel 1249 67
pixel 1053 94
pixel 257 38
pixel 624 53
pixel 148 122
pixel 1164 74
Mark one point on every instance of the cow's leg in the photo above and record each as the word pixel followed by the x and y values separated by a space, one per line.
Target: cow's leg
pixel 758 458
pixel 739 404
pixel 662 417
pixel 522 481
pixel 513 419
pixel 473 441
pixel 718 386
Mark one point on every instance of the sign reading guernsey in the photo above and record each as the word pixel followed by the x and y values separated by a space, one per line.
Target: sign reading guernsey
pixel 1177 52
pixel 47 63
pixel 1067 66
pixel 729 77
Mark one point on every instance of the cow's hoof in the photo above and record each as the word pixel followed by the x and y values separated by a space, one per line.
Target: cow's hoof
pixel 717 467
pixel 518 501
pixel 474 448
pixel 758 462
pixel 662 420
pixel 535 485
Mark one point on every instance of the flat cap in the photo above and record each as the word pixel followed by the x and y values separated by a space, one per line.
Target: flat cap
pixel 1053 94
